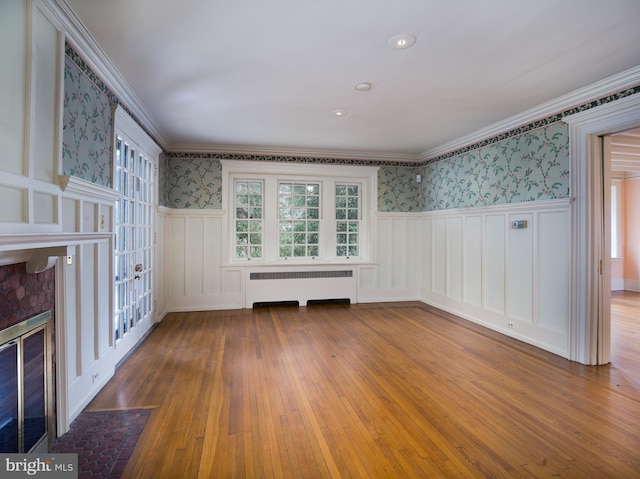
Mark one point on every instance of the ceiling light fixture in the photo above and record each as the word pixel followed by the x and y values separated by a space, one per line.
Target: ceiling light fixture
pixel 339 112
pixel 363 86
pixel 401 41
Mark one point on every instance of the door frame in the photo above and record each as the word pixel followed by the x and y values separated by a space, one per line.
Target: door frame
pixel 129 130
pixel 589 340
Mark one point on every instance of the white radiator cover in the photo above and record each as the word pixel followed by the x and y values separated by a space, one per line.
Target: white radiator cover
pixel 300 284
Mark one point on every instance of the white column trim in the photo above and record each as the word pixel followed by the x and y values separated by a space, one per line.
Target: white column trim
pixel 609 118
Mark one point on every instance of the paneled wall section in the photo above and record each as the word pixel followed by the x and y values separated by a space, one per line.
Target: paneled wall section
pixel 514 280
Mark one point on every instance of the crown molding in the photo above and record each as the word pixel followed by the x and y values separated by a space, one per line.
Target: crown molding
pixel 385 157
pixel 576 98
pixel 81 40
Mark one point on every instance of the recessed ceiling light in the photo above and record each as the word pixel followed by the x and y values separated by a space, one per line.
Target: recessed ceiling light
pixel 401 41
pixel 339 112
pixel 363 86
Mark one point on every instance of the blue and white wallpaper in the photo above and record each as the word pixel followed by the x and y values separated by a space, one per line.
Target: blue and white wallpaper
pixel 398 190
pixel 528 167
pixel 194 184
pixel 86 136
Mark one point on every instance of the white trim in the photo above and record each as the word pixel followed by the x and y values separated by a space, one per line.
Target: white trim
pixel 22 242
pixel 193 213
pixel 85 189
pixel 123 123
pixel 612 117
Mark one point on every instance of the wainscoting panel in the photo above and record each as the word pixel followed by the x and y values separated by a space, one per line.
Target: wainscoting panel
pixel 439 256
pixel 194 257
pixel 494 263
pixel 553 245
pixel 520 276
pixel 454 258
pixel 176 252
pixel 196 279
pixel 425 251
pixel 394 273
pixel 472 260
pixel 513 280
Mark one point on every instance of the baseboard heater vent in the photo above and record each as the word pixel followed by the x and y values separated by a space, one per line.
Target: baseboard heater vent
pixel 303 287
pixel 275 304
pixel 320 302
pixel 301 275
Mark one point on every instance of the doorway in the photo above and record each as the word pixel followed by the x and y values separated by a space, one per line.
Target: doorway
pixel 589 322
pixel 624 159
pixel 133 260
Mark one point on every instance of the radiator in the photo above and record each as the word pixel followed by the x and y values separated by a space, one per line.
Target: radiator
pixel 300 285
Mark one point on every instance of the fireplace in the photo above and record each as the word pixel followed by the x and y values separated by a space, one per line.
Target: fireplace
pixel 25 386
pixel 26 359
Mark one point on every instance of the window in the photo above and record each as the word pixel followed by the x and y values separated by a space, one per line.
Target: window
pixel 248 219
pixel 282 213
pixel 615 221
pixel 347 220
pixel 299 219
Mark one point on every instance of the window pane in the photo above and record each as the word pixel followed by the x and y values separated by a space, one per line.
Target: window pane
pixel 248 215
pixel 299 202
pixel 347 208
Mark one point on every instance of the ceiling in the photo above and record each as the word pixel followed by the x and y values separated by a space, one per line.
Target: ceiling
pixel 227 75
pixel 625 154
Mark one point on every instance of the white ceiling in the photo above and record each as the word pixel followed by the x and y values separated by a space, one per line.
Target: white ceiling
pixel 625 154
pixel 216 74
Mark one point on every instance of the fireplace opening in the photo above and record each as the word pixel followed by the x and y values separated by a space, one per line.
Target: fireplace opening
pixel 25 387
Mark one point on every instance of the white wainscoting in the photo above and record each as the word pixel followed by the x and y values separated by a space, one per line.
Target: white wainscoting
pixel 194 278
pixel 394 272
pixel 84 298
pixel 515 281
pixel 469 262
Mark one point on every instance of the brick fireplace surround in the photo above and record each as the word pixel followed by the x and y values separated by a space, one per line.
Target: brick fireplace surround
pixel 24 295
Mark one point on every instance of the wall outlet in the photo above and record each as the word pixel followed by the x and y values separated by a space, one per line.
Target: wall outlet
pixel 94 376
pixel 510 324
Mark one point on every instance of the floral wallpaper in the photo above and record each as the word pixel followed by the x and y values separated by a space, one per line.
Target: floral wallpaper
pixel 532 166
pixel 398 190
pixel 86 137
pixel 163 178
pixel 194 183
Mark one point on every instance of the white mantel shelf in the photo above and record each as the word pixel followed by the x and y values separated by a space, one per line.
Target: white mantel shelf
pixel 48 240
pixel 40 251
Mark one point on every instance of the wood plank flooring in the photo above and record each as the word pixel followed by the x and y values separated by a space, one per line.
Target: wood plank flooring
pixel 378 390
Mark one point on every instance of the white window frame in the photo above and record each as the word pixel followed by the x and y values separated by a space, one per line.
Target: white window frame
pixel 325 174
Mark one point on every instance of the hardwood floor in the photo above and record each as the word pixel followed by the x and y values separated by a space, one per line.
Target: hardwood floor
pixel 379 390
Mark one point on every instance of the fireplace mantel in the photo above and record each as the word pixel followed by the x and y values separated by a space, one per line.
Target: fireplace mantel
pixel 40 250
